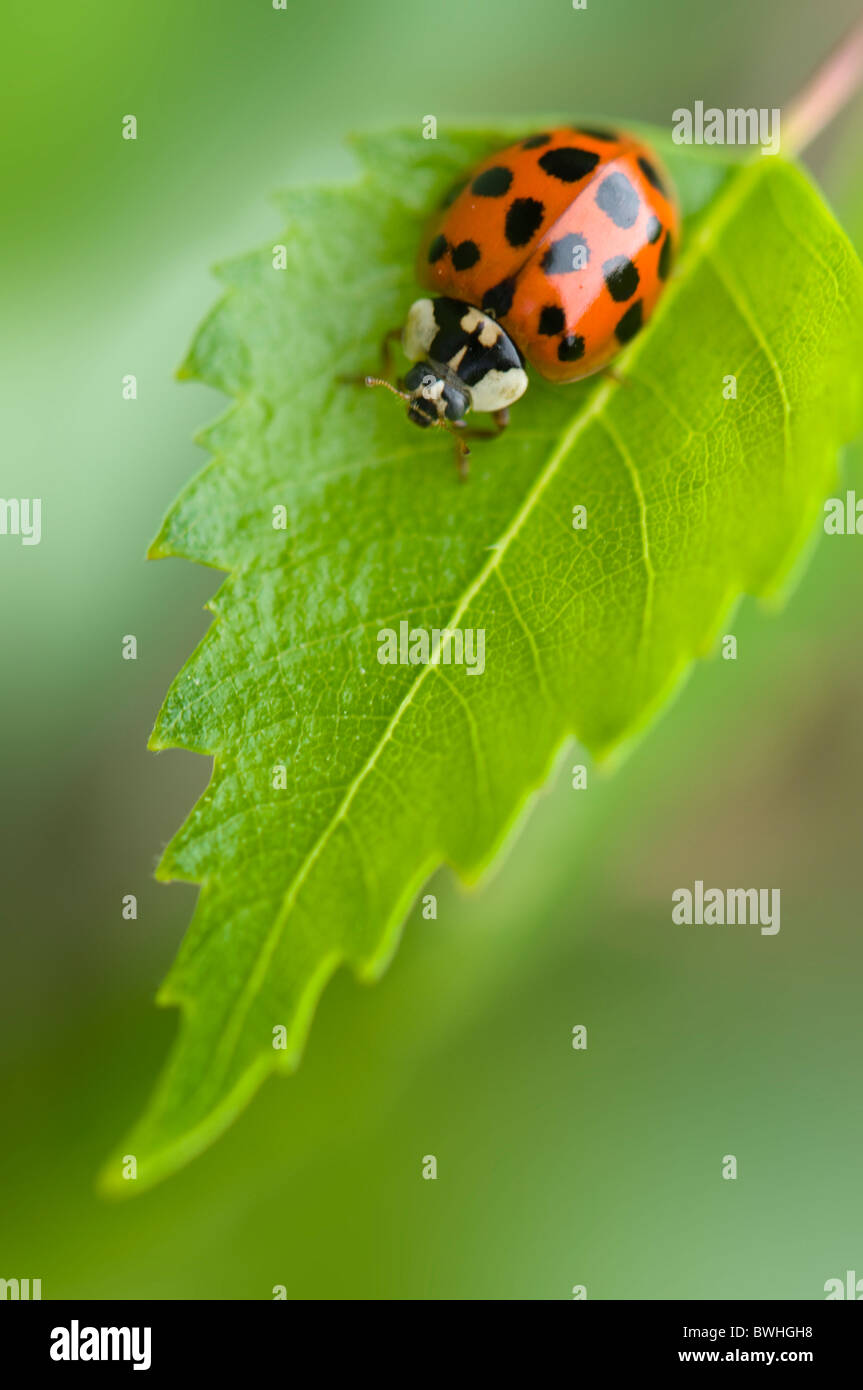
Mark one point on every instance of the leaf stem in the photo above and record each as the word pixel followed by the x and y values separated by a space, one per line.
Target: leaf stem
pixel 827 91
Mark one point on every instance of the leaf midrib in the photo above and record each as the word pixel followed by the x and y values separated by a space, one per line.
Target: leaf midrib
pixel 728 200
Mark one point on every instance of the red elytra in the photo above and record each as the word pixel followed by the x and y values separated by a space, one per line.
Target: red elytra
pixel 565 238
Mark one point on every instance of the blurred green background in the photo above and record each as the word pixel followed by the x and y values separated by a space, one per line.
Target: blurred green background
pixel 555 1167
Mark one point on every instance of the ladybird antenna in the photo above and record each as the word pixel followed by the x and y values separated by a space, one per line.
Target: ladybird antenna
pixel 380 381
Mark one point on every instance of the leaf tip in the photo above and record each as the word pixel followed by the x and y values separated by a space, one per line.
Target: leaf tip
pixel 163 873
pixel 160 546
pixel 156 742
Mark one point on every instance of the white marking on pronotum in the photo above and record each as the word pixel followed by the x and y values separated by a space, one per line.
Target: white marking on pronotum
pixel 496 389
pixel 420 329
pixel 489 332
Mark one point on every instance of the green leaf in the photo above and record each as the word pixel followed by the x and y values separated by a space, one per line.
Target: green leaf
pixel 692 500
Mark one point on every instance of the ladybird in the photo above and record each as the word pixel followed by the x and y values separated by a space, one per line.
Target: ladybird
pixel 552 253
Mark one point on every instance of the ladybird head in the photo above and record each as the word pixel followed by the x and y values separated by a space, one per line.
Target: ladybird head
pixel 431 398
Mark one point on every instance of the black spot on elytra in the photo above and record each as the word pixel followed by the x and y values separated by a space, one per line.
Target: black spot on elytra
pixel 465 255
pixel 523 219
pixel 621 277
pixel 665 257
pixel 551 320
pixel 651 175
pixel 568 253
pixel 535 142
pixel 492 183
pixel 654 230
pixel 437 248
pixel 594 133
pixel 498 300
pixel 629 325
pixel 570 348
pixel 452 193
pixel 569 163
pixel 618 200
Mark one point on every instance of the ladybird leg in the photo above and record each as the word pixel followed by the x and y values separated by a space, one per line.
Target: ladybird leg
pixel 462 454
pixel 461 450
pixel 386 349
pixel 501 420
pixel 612 374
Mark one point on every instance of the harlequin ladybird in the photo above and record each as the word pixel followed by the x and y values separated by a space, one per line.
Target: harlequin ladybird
pixel 553 252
